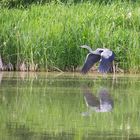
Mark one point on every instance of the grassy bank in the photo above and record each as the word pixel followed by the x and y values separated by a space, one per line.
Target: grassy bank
pixel 50 35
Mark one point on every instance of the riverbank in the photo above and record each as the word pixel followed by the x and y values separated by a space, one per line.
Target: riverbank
pixel 47 37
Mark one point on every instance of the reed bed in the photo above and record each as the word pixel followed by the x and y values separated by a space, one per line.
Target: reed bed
pixel 47 37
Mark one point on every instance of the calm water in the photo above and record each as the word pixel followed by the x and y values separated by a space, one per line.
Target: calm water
pixel 42 106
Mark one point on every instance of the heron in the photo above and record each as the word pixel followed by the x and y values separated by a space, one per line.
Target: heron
pixel 103 55
pixel 102 103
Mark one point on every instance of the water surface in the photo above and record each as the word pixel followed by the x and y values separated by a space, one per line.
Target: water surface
pixel 36 106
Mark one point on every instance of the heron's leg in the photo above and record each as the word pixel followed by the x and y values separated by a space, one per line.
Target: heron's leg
pixel 1 63
pixel 114 70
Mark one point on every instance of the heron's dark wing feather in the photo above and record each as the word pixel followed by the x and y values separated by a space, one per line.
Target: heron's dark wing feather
pixel 106 62
pixel 91 59
pixel 104 66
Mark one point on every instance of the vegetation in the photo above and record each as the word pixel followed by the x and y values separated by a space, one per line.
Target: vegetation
pixel 49 35
pixel 27 3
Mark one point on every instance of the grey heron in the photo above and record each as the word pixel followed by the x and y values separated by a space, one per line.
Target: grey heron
pixel 102 55
pixel 102 103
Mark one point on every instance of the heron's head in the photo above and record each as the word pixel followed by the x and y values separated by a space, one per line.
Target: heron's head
pixel 84 46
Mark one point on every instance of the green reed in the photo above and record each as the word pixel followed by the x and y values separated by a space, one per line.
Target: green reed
pixel 50 35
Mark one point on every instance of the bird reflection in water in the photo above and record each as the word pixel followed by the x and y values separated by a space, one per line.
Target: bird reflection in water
pixel 102 103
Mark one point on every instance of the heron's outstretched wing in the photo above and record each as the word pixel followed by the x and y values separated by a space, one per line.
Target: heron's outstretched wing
pixel 91 59
pixel 107 58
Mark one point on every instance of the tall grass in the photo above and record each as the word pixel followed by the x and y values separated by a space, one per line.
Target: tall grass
pixel 50 35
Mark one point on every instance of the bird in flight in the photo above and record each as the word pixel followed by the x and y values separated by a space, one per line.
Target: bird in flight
pixel 102 55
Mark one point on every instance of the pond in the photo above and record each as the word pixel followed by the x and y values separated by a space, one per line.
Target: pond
pixel 43 106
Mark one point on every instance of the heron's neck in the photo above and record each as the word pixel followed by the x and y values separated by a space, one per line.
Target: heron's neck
pixel 90 50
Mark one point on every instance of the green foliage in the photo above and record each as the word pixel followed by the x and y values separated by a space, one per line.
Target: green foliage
pixel 26 3
pixel 50 35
